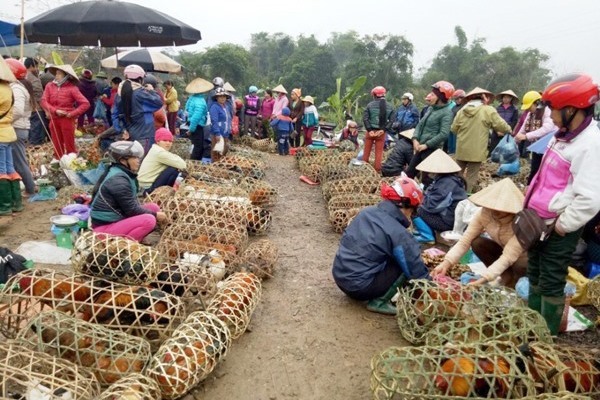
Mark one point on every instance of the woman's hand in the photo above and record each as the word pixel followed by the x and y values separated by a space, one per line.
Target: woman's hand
pixel 415 145
pixel 161 217
pixel 441 269
pixel 478 282
pixel 421 147
pixel 61 113
pixel 519 137
pixel 125 135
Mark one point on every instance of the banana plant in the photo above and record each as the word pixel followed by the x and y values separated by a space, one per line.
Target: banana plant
pixel 339 105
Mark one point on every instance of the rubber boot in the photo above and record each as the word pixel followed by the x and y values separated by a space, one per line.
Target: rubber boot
pixel 383 305
pixel 422 232
pixel 17 199
pixel 534 301
pixel 5 197
pixel 552 311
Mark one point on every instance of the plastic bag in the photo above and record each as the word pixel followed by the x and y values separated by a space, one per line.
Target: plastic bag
pixel 509 169
pixel 99 110
pixel 220 146
pixel 465 210
pixel 506 152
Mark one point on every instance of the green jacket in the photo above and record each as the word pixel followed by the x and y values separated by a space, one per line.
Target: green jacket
pixel 371 115
pixel 433 129
pixel 472 126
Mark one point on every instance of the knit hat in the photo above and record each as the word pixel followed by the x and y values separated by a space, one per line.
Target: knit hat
pixel 285 111
pixel 163 135
pixel 438 162
pixel 297 92
pixel 501 196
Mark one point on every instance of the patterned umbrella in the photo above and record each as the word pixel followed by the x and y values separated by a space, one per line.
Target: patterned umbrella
pixel 153 61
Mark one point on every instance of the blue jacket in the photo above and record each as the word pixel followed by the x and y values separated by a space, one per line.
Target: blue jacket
pixel 143 105
pixel 283 124
pixel 442 196
pixel 407 117
pixel 220 121
pixel 197 111
pixel 377 236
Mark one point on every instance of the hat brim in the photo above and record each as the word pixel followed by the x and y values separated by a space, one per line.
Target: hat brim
pixel 67 69
pixel 199 85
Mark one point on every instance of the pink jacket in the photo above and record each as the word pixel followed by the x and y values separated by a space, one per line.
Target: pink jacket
pixel 280 102
pixel 64 98
pixel 546 128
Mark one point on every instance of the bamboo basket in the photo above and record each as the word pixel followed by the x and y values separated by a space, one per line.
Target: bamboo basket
pixel 182 251
pixel 132 387
pixel 260 258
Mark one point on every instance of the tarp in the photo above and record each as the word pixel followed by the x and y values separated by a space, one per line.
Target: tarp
pixel 7 36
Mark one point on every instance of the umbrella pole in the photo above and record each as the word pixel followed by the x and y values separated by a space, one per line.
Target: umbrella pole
pixel 21 47
pixel 117 58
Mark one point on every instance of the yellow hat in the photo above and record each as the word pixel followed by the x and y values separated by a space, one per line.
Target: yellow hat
pixel 438 162
pixel 529 98
pixel 501 196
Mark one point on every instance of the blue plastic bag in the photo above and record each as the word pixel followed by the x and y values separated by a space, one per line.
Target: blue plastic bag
pixel 509 169
pixel 99 110
pixel 506 152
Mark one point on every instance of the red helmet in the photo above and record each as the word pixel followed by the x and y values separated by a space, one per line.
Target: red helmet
pixel 458 93
pixel 17 67
pixel 575 90
pixel 404 190
pixel 378 91
pixel 446 88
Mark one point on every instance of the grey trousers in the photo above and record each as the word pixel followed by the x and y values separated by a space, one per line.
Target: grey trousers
pixel 20 159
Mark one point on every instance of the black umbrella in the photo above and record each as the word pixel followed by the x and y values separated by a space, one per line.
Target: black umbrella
pixel 108 23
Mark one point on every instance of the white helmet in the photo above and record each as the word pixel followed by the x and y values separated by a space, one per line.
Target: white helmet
pixel 408 96
pixel 218 81
pixel 125 149
pixel 134 71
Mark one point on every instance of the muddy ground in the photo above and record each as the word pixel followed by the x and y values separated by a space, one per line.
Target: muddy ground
pixel 306 339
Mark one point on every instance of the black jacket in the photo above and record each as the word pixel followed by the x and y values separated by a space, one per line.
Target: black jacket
pixel 443 195
pixel 399 158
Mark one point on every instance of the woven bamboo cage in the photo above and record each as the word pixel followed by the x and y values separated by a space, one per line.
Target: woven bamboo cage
pixel 110 355
pixel 341 218
pixel 477 371
pixel 260 258
pixel 424 304
pixel 347 146
pixel 260 192
pixel 516 324
pixel 28 374
pixel 559 367
pixel 132 387
pixel 248 166
pixel 368 184
pixel 138 310
pixel 334 172
pixel 558 396
pixel 190 355
pixel 593 291
pixel 184 252
pixel 236 300
pixel 247 152
pixel 182 147
pixel 160 195
pixel 192 190
pixel 37 156
pixel 352 200
pixel 220 213
pixel 198 170
pixel 114 258
pixel 487 175
pixel 66 194
pixel 234 241
pixel 262 145
pixel 312 172
pixel 247 140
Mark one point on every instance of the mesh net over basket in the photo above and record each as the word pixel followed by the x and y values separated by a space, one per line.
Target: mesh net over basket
pixel 516 324
pixel 352 200
pixel 260 258
pixel 229 240
pixel 108 354
pixel 115 258
pixel 423 303
pixel 478 371
pixel 183 252
pixel 260 192
pixel 132 387
pixel 368 184
pixel 340 219
pixel 138 310
pixel 27 374
pixel 559 367
pixel 182 147
pixel 190 355
pixel 236 300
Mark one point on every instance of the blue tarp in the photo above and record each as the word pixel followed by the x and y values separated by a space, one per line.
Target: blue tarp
pixel 7 35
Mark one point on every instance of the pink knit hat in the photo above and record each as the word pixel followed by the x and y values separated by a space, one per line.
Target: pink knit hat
pixel 163 135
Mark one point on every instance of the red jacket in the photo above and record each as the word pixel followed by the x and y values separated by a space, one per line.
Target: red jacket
pixel 110 100
pixel 64 98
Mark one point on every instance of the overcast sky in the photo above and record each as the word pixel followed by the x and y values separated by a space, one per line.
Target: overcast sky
pixel 565 30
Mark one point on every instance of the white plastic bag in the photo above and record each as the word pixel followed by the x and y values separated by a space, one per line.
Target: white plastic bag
pixel 465 210
pixel 220 145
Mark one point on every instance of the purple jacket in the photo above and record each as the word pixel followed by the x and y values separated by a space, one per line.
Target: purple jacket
pixel 87 87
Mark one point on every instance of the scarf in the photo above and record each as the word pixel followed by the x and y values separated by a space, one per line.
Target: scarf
pixel 62 81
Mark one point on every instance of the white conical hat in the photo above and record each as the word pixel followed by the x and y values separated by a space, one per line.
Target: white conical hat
pixel 67 69
pixel 5 72
pixel 438 162
pixel 279 89
pixel 199 85
pixel 227 86
pixel 501 196
pixel 408 133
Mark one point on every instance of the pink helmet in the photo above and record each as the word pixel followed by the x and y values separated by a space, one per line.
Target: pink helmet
pixel 134 72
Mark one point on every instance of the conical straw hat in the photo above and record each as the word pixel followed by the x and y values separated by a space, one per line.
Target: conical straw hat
pixel 438 162
pixel 478 90
pixel 227 86
pixel 509 93
pixel 501 196
pixel 5 72
pixel 66 68
pixel 199 85
pixel 408 133
pixel 279 89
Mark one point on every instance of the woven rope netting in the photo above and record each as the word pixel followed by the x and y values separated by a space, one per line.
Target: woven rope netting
pixel 110 355
pixel 424 304
pixel 182 252
pixel 236 300
pixel 479 371
pixel 25 373
pixel 516 324
pixel 132 387
pixel 559 367
pixel 260 258
pixel 137 310
pixel 114 258
pixel 190 355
